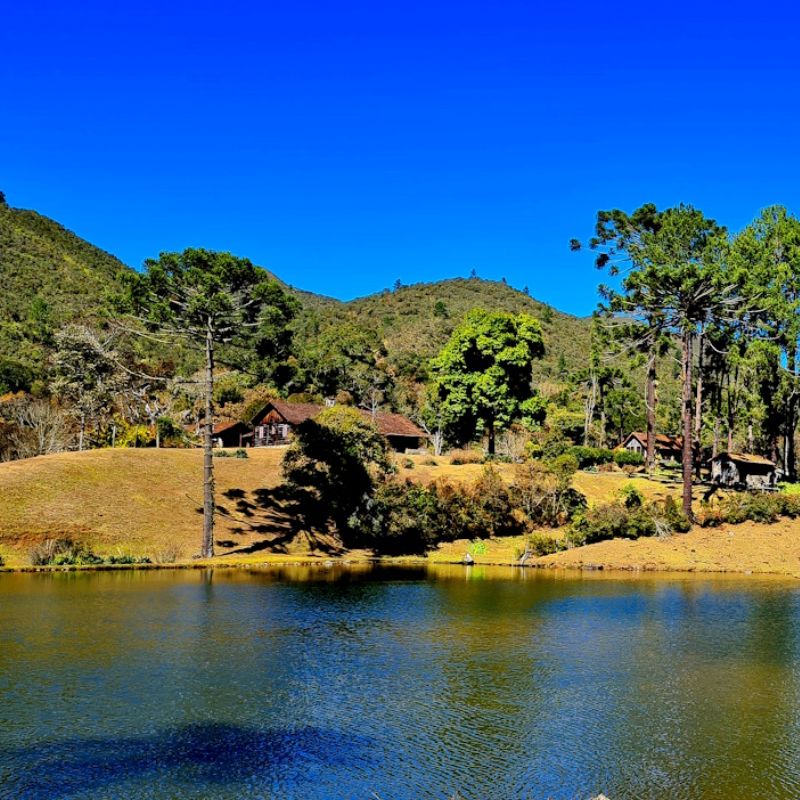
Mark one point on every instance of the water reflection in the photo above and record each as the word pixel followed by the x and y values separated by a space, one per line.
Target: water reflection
pixel 334 683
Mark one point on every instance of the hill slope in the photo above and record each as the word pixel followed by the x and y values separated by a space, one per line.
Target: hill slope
pixel 52 277
pixel 49 277
pixel 418 319
pixel 147 502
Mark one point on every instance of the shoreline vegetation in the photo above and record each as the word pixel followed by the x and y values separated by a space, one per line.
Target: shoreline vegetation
pixel 101 500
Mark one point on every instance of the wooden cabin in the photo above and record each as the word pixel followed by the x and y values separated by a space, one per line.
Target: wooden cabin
pixel 276 422
pixel 743 471
pixel 401 433
pixel 668 448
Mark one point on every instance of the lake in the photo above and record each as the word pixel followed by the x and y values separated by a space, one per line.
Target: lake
pixel 400 683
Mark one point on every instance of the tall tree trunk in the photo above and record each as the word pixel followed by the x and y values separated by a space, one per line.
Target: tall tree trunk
pixel 698 407
pixel 588 418
pixel 207 550
pixel 791 421
pixel 698 401
pixel 82 432
pixel 650 402
pixel 491 437
pixel 686 417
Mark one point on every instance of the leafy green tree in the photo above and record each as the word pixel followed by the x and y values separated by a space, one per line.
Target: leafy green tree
pixel 333 464
pixel 350 358
pixel 484 373
pixel 14 377
pixel 217 303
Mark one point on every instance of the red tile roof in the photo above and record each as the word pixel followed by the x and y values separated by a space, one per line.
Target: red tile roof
pixel 293 413
pixel 388 424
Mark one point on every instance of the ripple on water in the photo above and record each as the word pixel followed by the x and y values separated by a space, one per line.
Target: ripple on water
pixel 186 685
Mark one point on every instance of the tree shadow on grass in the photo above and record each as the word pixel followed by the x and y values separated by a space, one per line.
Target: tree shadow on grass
pixel 279 515
pixel 194 756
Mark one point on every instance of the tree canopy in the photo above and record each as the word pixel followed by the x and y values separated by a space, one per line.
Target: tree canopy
pixel 483 376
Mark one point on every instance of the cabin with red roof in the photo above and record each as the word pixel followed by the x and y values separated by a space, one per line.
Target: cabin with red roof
pixel 276 422
pixel 668 448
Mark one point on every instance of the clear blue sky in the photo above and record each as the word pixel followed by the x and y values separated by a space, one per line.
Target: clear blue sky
pixel 344 145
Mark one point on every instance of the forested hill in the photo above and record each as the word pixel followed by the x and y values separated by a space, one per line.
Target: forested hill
pixel 49 277
pixel 416 320
pixel 52 277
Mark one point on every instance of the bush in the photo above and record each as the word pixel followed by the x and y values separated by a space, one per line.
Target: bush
pixel 493 510
pixel 477 547
pixel 133 436
pixel 408 463
pixel 631 496
pixel 62 552
pixel 625 458
pixel 430 462
pixel 404 517
pixel 741 507
pixel 611 521
pixel 541 544
pixel 127 558
pixel 240 452
pixel 543 492
pixel 458 457
pixel 618 520
pixel 167 555
pixel 590 456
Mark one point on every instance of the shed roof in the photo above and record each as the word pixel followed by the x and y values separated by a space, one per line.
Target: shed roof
pixel 395 425
pixel 221 427
pixel 662 440
pixel 745 458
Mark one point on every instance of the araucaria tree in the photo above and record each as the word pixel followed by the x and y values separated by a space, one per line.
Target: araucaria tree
pixel 677 281
pixel 219 304
pixel 483 376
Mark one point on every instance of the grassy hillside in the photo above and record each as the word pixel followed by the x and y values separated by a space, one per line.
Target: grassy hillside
pixel 143 502
pixel 49 277
pixel 148 502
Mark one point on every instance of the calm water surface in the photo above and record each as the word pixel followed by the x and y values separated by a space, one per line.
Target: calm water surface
pixel 410 684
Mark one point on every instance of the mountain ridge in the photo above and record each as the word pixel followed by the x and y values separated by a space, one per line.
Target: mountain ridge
pixel 53 277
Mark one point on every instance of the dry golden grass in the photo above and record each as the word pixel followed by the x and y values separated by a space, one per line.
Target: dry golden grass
pixel 147 502
pixel 749 547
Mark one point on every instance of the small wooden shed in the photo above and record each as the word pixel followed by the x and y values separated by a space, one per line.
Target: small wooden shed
pixel 743 471
pixel 230 434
